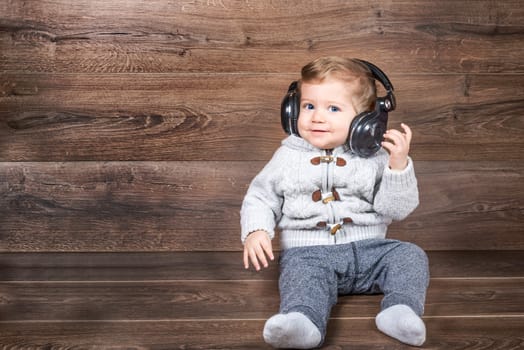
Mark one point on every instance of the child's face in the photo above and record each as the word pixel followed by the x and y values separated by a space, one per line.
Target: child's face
pixel 326 112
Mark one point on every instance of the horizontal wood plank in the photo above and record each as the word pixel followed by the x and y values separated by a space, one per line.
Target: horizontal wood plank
pixel 464 202
pixel 503 333
pixel 99 36
pixel 69 117
pixel 180 206
pixel 200 300
pixel 221 266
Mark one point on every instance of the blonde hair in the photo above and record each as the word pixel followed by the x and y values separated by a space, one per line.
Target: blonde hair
pixel 355 73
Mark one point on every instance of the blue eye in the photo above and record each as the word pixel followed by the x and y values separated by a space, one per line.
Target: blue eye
pixel 334 109
pixel 309 106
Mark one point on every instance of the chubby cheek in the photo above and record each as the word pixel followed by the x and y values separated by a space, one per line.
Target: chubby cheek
pixel 342 128
pixel 342 133
pixel 341 137
pixel 302 124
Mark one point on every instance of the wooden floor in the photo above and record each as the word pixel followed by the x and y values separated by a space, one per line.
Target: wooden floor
pixel 201 300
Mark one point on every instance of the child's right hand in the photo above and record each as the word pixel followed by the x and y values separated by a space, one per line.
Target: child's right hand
pixel 256 247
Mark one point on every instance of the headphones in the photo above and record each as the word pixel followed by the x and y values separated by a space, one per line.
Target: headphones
pixel 367 129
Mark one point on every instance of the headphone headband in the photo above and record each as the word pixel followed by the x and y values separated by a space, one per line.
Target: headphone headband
pixel 378 74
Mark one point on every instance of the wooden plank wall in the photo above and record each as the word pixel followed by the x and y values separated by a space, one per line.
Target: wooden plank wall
pixel 130 130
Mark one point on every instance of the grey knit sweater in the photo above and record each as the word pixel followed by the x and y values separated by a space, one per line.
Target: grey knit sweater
pixel 318 197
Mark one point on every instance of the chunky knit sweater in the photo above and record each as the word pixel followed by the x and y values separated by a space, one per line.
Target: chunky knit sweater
pixel 319 197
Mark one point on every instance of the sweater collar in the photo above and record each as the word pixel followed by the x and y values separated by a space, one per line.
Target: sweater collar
pixel 298 143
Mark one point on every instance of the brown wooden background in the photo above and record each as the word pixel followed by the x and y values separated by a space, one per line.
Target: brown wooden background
pixel 130 130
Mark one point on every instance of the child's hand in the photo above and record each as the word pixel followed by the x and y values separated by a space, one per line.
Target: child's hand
pixel 256 247
pixel 397 144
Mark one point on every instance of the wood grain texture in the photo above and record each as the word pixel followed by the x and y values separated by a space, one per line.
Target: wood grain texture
pixel 501 333
pixel 181 206
pixel 73 117
pixel 239 36
pixel 218 266
pixel 208 299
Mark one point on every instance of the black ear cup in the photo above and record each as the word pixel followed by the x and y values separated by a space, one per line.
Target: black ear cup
pixel 289 110
pixel 366 133
pixel 367 129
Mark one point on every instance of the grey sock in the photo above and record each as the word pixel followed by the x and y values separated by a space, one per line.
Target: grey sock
pixel 402 323
pixel 293 330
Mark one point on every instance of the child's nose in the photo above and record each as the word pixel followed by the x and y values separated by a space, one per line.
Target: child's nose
pixel 318 117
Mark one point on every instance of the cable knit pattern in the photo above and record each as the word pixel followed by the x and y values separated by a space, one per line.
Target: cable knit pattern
pixel 370 196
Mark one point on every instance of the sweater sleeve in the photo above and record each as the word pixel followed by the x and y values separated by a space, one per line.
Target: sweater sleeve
pixel 397 195
pixel 262 204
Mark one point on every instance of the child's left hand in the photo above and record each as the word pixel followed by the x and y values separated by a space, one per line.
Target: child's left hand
pixel 397 145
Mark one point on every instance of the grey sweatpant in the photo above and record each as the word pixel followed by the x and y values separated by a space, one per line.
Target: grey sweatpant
pixel 312 277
